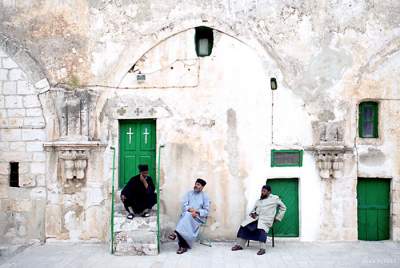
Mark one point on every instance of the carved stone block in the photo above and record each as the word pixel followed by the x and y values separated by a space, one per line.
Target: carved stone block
pixel 330 162
pixel 73 161
pixel 73 164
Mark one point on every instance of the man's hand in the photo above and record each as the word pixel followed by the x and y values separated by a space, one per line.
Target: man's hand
pixel 191 210
pixel 194 213
pixel 123 198
pixel 143 180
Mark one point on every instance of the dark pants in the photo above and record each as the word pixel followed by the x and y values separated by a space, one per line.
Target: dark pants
pixel 181 242
pixel 251 232
pixel 139 206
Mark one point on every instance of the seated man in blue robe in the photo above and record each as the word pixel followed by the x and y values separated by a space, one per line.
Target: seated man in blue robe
pixel 261 218
pixel 195 208
pixel 138 194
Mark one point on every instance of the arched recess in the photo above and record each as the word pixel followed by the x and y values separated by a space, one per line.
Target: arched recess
pixel 135 48
pixel 219 129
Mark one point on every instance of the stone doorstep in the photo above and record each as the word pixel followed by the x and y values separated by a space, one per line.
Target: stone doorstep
pixel 136 237
pixel 125 249
pixel 143 224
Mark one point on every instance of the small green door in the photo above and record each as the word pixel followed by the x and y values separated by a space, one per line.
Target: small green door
pixel 373 201
pixel 287 190
pixel 137 145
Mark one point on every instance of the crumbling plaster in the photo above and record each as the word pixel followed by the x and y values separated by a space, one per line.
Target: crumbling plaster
pixel 326 55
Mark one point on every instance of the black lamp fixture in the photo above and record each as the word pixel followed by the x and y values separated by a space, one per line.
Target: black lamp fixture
pixel 274 84
pixel 204 39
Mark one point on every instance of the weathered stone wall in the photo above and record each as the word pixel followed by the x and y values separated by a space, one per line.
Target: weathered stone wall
pixel 216 119
pixel 21 138
pixel 379 158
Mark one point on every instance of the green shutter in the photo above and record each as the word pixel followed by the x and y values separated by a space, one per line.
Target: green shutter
pixel 373 207
pixel 287 190
pixel 137 146
pixel 286 158
pixel 368 120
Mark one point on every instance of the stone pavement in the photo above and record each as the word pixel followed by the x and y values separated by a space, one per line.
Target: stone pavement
pixel 285 254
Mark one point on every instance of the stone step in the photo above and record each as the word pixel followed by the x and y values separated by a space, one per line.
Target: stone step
pixel 133 249
pixel 137 236
pixel 121 223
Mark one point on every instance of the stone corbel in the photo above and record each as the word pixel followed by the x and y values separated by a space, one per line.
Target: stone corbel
pixel 72 162
pixel 330 160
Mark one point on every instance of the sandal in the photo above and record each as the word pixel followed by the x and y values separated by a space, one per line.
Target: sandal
pixel 130 216
pixel 146 214
pixel 261 252
pixel 236 247
pixel 181 250
pixel 172 236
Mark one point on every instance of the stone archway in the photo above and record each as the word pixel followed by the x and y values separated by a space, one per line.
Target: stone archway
pixel 135 49
pixel 221 111
pixel 27 63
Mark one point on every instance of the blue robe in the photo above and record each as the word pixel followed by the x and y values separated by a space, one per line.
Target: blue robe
pixel 188 227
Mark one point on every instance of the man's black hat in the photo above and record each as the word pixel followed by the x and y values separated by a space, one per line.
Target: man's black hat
pixel 201 181
pixel 267 187
pixel 143 168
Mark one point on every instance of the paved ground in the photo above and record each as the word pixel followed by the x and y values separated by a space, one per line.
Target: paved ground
pixel 285 254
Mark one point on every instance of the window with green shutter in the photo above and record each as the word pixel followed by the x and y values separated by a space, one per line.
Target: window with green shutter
pixel 368 120
pixel 286 158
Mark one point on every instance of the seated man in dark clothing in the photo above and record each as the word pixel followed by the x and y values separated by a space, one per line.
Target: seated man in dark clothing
pixel 138 195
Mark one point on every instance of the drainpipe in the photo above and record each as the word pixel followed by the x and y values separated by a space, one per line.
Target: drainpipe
pixel 112 201
pixel 158 197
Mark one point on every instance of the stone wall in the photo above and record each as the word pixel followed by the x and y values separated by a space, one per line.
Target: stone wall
pixel 216 116
pixel 21 140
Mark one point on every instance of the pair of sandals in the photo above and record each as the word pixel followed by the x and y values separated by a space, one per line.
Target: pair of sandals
pixel 144 214
pixel 237 247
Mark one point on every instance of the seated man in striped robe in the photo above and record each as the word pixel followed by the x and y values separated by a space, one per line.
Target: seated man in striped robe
pixel 195 208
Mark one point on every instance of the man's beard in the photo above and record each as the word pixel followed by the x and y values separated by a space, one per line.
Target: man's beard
pixel 263 196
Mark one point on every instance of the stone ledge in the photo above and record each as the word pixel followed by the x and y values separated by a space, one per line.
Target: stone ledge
pixel 67 145
pixel 136 237
pixel 121 223
pixel 125 249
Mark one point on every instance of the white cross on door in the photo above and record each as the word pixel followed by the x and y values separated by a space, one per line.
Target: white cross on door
pixel 145 133
pixel 130 133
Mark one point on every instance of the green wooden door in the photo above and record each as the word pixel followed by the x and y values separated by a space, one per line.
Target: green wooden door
pixel 137 145
pixel 373 201
pixel 287 190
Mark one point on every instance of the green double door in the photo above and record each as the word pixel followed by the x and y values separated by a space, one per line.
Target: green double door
pixel 373 207
pixel 288 191
pixel 137 145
